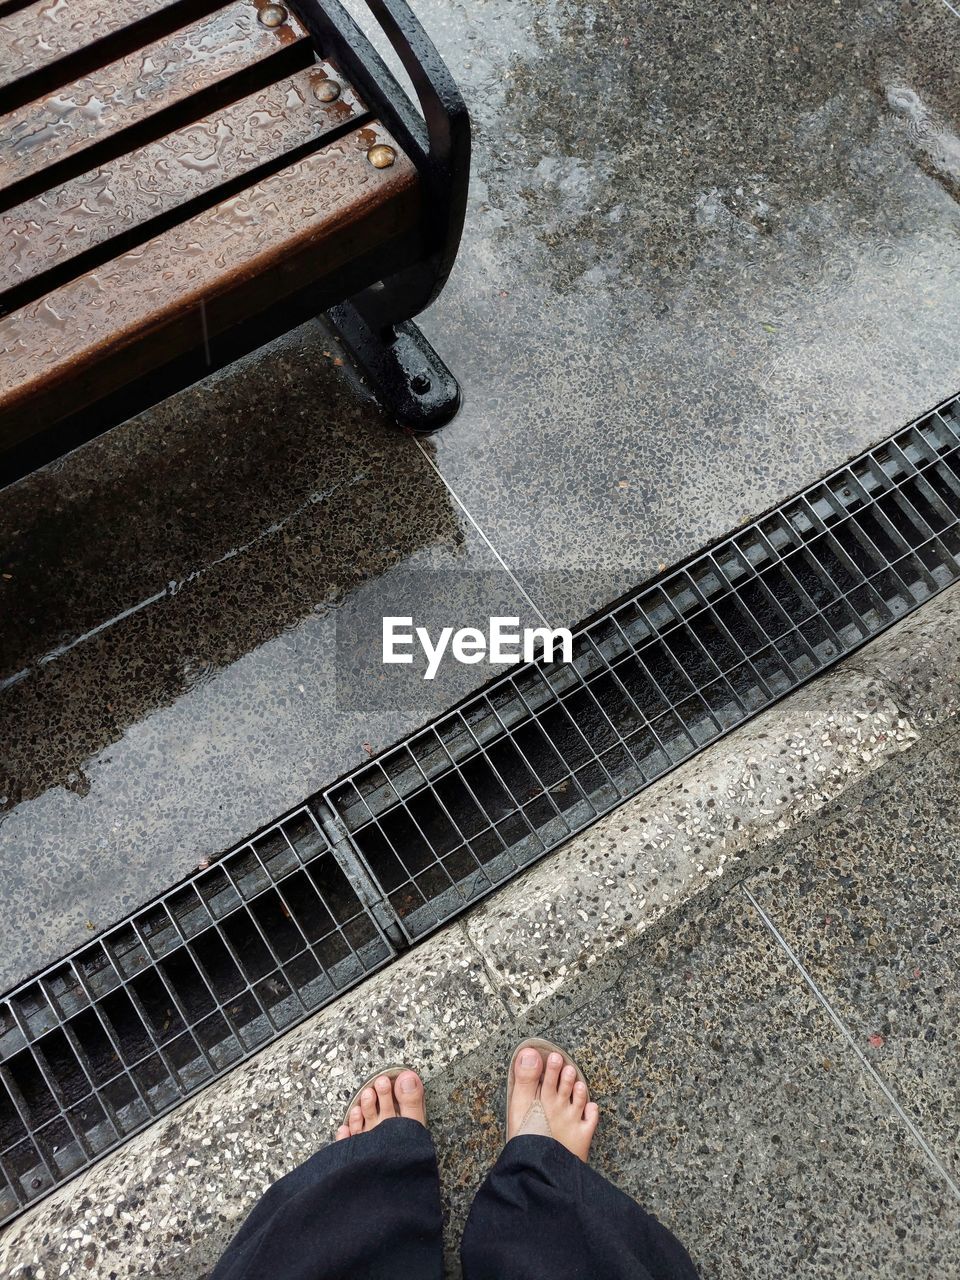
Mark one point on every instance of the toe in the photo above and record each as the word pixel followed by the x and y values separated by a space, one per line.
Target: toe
pixel 527 1071
pixel 568 1077
pixel 355 1121
pixel 409 1088
pixel 368 1105
pixel 591 1117
pixel 384 1088
pixel 551 1074
pixel 343 1132
pixel 579 1097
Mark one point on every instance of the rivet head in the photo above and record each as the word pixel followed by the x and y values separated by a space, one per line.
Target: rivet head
pixel 326 91
pixel 381 156
pixel 273 15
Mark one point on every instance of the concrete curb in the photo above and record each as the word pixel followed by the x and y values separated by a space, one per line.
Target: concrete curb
pixel 168 1201
pixel 182 1186
pixel 676 840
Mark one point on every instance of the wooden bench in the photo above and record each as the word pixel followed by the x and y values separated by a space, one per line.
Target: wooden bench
pixel 182 181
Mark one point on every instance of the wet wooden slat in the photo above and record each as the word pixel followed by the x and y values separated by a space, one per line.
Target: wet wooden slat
pixel 75 118
pixel 45 233
pixel 40 34
pixel 107 327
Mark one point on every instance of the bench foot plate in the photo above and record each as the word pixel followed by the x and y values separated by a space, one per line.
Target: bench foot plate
pixel 408 377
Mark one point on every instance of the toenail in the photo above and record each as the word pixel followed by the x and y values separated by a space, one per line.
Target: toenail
pixel 383 1082
pixel 407 1084
pixel 529 1058
pixel 555 1060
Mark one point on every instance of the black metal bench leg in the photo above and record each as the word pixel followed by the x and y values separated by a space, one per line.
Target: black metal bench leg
pixel 408 377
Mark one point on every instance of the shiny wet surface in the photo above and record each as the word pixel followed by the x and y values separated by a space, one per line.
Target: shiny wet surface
pixel 173 672
pixel 712 252
pixel 186 165
pixel 709 255
pixel 80 115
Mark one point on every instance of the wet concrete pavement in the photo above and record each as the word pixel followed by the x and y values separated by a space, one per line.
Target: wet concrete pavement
pixel 176 672
pixel 709 255
pixel 712 252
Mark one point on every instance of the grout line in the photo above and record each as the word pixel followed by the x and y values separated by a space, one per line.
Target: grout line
pixel 495 986
pixel 463 506
pixel 176 585
pixel 865 1062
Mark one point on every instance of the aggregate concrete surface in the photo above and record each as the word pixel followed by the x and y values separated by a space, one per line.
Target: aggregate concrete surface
pixel 709 254
pixel 774 1054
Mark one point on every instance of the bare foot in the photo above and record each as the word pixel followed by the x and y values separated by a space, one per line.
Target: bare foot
pixel 385 1100
pixel 548 1099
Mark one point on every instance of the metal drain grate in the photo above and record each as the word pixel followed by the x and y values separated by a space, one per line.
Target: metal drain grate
pixel 117 1034
pixel 540 754
pixel 122 1030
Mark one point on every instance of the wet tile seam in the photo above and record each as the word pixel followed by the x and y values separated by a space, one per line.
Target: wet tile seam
pixel 948 5
pixel 487 970
pixel 480 530
pixel 866 1065
pixel 176 585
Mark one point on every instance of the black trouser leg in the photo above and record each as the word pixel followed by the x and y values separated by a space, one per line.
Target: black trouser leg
pixel 542 1214
pixel 367 1208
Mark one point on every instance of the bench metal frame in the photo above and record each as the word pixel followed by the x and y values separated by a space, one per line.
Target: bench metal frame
pixel 375 324
pixel 372 300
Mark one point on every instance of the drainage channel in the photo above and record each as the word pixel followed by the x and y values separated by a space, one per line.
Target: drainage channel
pixel 541 754
pixel 101 1044
pixel 129 1025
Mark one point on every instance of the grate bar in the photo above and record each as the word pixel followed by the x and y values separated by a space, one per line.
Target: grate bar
pixel 544 750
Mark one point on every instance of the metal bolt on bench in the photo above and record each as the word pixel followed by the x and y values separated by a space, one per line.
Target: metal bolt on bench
pixel 178 188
